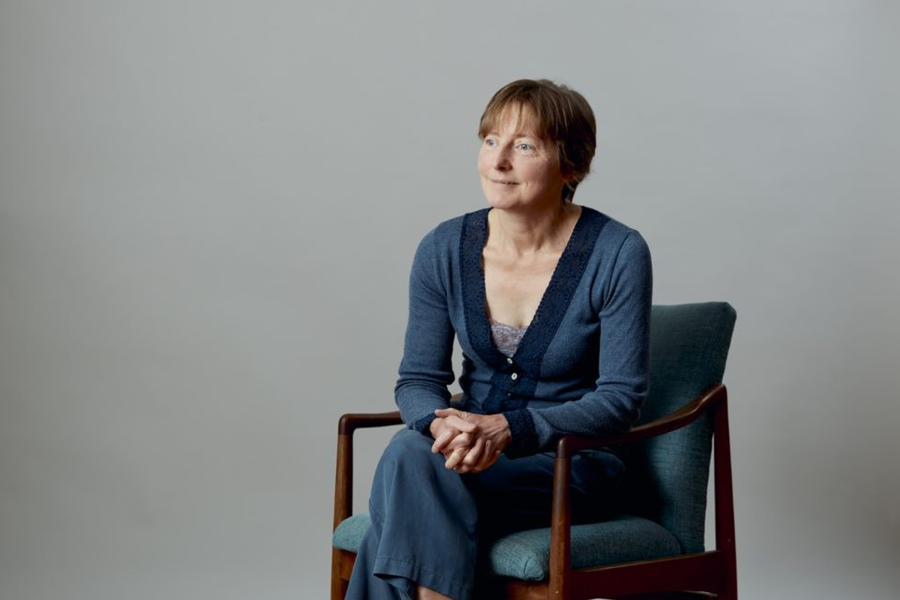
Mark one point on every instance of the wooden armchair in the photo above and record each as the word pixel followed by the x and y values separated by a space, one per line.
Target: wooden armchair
pixel 654 548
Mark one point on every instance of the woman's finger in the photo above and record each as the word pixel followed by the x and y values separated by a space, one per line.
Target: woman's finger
pixel 455 457
pixel 457 416
pixel 459 423
pixel 443 438
pixel 485 460
pixel 461 442
pixel 489 458
pixel 472 456
pixel 489 455
pixel 461 438
pixel 486 455
pixel 444 412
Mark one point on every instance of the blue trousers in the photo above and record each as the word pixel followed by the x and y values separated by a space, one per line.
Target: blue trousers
pixel 433 527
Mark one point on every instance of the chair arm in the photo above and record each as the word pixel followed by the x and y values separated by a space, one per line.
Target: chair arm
pixel 560 527
pixel 343 476
pixel 353 421
pixel 570 444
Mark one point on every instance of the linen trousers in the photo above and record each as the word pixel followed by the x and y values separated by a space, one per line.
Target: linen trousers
pixel 433 527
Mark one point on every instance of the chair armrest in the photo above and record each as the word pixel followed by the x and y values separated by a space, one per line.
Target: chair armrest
pixel 343 476
pixel 683 417
pixel 353 421
pixel 350 422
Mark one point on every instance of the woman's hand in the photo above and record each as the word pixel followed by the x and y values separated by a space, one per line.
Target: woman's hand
pixel 453 435
pixel 445 428
pixel 470 450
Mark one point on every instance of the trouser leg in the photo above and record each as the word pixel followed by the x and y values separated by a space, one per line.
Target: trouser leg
pixel 424 526
pixel 364 583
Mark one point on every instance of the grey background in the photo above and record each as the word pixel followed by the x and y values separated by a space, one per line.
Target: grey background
pixel 208 212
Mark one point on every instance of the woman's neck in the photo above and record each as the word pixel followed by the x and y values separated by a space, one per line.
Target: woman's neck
pixel 524 233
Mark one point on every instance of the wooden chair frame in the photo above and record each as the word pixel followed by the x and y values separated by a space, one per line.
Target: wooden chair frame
pixel 699 575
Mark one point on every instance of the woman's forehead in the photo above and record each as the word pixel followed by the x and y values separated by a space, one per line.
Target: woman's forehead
pixel 518 119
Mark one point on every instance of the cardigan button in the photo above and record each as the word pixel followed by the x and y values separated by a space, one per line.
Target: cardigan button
pixel 508 360
pixel 514 376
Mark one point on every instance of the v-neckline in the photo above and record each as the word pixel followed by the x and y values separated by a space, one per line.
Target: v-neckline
pixel 553 305
pixel 516 376
pixel 547 290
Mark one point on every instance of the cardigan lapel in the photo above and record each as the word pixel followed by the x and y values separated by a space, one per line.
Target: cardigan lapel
pixel 553 304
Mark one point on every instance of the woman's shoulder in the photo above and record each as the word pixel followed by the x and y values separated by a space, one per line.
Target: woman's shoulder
pixel 445 236
pixel 453 226
pixel 612 234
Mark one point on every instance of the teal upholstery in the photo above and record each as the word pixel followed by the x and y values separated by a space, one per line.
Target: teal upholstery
pixel 526 554
pixel 663 497
pixel 666 477
pixel 349 534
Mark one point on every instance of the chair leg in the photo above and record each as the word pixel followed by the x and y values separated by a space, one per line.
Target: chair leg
pixel 724 499
pixel 338 585
pixel 338 588
pixel 729 591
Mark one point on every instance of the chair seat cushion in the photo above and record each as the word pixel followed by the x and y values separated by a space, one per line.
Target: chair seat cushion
pixel 526 554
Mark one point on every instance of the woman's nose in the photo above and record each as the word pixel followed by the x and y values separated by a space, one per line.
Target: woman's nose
pixel 501 160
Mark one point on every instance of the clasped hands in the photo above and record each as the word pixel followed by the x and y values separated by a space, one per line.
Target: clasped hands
pixel 470 443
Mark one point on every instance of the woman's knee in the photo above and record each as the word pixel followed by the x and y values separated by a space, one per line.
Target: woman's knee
pixel 404 467
pixel 408 447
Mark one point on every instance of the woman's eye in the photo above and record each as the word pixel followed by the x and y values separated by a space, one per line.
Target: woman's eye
pixel 489 141
pixel 526 147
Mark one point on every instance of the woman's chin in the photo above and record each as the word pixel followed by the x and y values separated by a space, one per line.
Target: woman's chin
pixel 500 202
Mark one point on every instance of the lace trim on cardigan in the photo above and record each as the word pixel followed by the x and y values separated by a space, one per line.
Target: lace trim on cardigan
pixel 506 337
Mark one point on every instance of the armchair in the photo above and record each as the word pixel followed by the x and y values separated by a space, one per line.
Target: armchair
pixel 654 546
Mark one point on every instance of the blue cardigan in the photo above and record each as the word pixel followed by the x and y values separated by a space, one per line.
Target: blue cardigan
pixel 582 365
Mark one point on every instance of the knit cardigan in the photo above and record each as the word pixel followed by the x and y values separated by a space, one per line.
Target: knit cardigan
pixel 582 365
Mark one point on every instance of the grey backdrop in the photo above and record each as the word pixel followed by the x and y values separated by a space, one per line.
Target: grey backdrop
pixel 208 212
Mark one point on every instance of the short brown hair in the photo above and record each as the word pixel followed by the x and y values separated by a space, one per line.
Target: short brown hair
pixel 563 117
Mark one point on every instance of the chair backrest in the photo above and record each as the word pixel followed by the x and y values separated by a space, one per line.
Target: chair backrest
pixel 667 476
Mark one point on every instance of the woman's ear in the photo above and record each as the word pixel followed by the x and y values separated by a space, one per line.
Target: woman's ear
pixel 570 180
pixel 568 176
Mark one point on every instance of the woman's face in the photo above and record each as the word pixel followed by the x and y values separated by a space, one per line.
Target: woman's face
pixel 517 168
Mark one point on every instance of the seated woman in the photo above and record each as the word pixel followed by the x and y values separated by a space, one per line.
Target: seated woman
pixel 550 302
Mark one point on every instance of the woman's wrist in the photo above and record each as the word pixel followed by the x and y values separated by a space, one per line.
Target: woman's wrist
pixel 498 430
pixel 435 426
pixel 500 423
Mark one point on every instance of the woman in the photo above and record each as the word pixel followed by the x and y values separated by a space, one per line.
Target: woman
pixel 550 302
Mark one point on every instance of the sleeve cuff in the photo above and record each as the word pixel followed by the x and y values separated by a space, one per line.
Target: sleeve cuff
pixel 524 437
pixel 423 425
